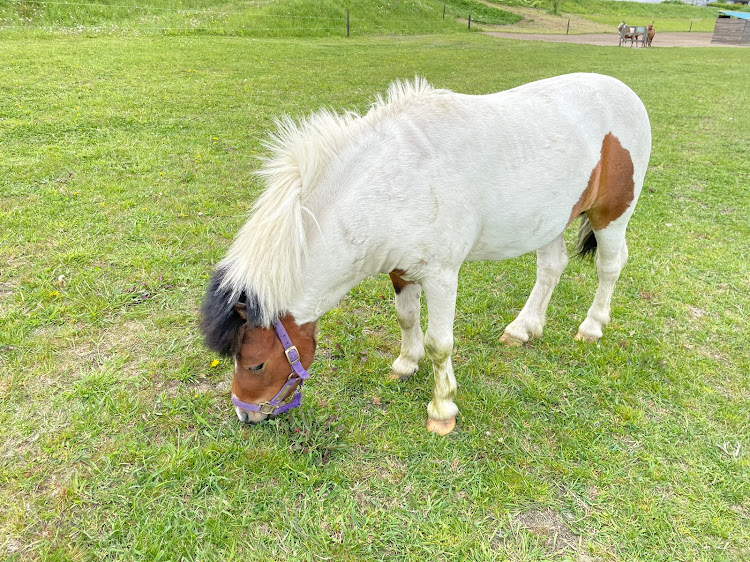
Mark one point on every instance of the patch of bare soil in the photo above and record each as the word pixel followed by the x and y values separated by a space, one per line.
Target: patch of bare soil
pixel 119 341
pixel 554 535
pixel 6 289
pixel 539 21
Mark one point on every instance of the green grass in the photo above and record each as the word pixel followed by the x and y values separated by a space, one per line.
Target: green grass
pixel 665 17
pixel 320 18
pixel 285 18
pixel 127 169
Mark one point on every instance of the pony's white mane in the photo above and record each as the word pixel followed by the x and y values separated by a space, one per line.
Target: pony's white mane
pixel 268 255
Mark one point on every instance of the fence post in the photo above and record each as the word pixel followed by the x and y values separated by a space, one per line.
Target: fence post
pixel 691 26
pixel 567 31
pixel 469 21
pixel 443 11
pixel 347 23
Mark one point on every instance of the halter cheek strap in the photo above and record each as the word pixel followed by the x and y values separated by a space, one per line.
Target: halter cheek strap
pixel 275 405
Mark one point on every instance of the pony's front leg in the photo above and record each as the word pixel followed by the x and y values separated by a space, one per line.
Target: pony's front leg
pixel 440 294
pixel 407 312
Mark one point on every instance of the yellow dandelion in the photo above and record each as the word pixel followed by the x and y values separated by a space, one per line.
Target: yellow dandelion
pixel 214 363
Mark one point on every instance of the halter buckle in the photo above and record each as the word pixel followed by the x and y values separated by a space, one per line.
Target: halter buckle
pixel 292 355
pixel 266 408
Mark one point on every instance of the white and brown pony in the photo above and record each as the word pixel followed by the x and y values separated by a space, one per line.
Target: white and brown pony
pixel 426 180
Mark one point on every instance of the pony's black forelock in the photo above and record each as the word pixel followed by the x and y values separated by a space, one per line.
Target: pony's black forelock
pixel 221 324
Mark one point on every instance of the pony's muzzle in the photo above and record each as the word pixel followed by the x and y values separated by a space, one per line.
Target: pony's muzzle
pixel 249 417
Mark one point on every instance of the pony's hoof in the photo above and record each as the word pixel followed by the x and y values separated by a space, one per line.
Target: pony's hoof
pixel 441 427
pixel 507 339
pixel 404 367
pixel 580 336
pixel 394 376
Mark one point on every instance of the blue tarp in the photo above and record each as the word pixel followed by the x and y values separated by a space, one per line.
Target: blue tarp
pixel 740 15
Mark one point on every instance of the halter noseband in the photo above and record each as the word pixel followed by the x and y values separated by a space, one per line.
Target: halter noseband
pixel 274 406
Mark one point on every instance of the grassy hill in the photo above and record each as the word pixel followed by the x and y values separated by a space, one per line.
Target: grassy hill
pixel 319 18
pixel 270 18
pixel 665 16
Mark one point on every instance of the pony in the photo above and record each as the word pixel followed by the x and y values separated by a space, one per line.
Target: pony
pixel 650 35
pixel 424 181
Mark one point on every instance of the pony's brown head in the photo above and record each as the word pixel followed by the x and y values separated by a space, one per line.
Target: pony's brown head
pixel 261 364
pixel 262 367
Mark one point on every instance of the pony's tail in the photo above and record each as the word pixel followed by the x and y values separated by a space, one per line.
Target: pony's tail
pixel 586 246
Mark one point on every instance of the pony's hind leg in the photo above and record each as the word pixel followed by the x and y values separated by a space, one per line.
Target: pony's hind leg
pixel 551 261
pixel 407 312
pixel 612 253
pixel 440 293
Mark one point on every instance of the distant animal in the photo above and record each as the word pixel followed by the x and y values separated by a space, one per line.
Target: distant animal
pixel 650 35
pixel 636 34
pixel 426 180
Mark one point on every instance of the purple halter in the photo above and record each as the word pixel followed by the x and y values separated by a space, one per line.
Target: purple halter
pixel 274 406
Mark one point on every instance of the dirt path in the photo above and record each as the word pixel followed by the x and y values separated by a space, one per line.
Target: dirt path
pixel 664 39
pixel 539 21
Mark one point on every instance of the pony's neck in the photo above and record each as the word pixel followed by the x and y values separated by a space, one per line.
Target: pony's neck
pixel 326 283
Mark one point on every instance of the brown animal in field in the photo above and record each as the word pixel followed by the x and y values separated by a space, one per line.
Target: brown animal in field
pixel 650 36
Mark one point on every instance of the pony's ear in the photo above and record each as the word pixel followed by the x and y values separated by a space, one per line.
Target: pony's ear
pixel 241 309
pixel 221 320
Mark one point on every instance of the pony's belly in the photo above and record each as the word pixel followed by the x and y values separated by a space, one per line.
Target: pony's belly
pixel 514 239
pixel 487 253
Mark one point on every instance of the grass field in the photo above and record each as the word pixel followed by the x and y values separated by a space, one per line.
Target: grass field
pixel 665 17
pixel 326 18
pixel 297 18
pixel 127 169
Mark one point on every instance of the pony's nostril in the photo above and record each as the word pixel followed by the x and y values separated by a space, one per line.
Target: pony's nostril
pixel 241 414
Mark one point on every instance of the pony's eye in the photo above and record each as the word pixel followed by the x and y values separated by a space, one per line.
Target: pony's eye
pixel 256 368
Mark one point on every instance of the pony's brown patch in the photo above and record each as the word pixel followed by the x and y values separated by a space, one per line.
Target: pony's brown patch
pixel 398 281
pixel 610 190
